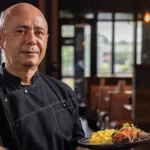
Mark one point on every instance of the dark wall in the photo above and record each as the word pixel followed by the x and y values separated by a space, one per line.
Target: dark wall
pixel 7 3
pixel 105 5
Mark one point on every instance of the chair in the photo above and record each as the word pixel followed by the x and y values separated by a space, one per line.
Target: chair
pixel 92 106
pixel 141 108
pixel 117 113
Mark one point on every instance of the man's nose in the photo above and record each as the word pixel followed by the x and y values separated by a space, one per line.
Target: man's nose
pixel 31 38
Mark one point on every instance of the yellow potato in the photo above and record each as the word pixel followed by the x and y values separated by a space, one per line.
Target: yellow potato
pixel 102 137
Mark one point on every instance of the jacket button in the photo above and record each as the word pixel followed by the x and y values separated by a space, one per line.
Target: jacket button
pixel 26 91
pixel 64 105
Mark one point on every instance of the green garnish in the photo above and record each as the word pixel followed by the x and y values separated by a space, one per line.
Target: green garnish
pixel 130 125
pixel 126 125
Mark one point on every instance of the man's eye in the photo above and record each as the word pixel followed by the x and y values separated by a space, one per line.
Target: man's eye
pixel 40 33
pixel 21 31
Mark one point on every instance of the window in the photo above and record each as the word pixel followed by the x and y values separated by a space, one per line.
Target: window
pixel 67 61
pixel 123 47
pixel 65 14
pixel 115 44
pixel 139 41
pixel 105 16
pixel 123 16
pixel 67 30
pixel 68 81
pixel 104 47
pixel 2 59
pixel 87 48
pixel 70 40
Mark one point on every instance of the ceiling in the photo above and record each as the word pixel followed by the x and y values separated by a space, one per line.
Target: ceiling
pixel 105 5
pixel 6 3
pixel 91 5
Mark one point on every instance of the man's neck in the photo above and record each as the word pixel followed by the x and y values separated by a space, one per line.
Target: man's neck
pixel 25 73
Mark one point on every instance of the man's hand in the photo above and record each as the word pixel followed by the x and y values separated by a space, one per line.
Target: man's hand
pixel 79 148
pixel 1 148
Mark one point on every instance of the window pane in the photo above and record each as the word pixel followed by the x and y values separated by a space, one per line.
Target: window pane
pixel 104 46
pixel 89 15
pixel 104 16
pixel 67 61
pixel 139 41
pixel 67 30
pixel 68 41
pixel 69 81
pixel 123 47
pixel 87 46
pixel 123 16
pixel 2 59
pixel 65 14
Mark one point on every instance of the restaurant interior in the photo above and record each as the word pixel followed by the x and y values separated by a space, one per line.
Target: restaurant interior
pixel 101 49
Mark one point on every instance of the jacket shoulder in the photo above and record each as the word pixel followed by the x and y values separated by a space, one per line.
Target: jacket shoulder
pixel 58 85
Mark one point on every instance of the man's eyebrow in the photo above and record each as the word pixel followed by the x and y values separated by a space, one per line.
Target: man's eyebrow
pixel 22 26
pixel 26 27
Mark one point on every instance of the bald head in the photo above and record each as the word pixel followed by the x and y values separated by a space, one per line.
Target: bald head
pixel 23 35
pixel 19 10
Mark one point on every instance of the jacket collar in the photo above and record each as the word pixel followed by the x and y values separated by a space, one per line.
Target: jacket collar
pixel 16 81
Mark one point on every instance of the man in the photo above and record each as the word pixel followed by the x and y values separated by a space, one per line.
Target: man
pixel 37 112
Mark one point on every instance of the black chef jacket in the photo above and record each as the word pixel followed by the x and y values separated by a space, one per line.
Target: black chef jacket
pixel 42 116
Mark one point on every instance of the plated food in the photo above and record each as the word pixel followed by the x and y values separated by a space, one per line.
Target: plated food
pixel 128 133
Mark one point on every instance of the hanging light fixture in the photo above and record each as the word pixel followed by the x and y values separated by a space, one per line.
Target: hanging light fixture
pixel 146 9
pixel 147 16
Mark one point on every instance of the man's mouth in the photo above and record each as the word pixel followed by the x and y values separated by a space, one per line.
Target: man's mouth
pixel 29 52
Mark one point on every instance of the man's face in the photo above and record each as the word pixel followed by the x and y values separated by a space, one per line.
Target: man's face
pixel 24 38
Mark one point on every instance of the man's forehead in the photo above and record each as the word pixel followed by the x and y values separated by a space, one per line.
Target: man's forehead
pixel 23 7
pixel 32 21
pixel 24 13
